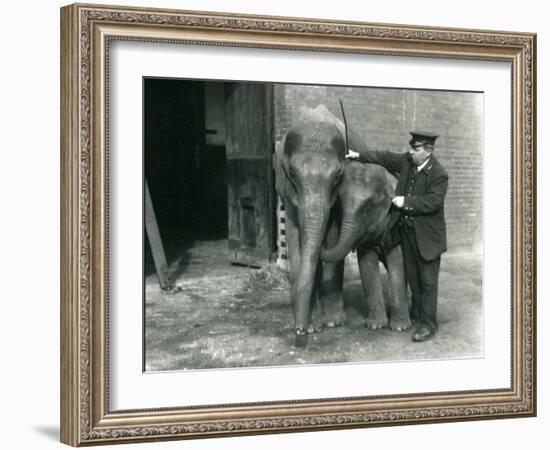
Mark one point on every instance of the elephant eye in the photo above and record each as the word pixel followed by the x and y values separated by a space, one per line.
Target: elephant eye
pixel 367 206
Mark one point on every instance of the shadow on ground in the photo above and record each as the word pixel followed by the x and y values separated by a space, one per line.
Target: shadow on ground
pixel 231 316
pixel 50 432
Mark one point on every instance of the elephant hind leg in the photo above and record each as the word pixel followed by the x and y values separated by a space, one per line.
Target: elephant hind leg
pixel 372 287
pixel 398 302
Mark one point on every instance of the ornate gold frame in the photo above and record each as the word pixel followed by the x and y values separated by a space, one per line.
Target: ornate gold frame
pixel 86 31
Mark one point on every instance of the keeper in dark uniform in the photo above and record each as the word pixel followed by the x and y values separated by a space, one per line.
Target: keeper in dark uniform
pixel 417 221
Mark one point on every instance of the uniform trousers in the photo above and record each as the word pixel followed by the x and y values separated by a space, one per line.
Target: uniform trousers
pixel 422 277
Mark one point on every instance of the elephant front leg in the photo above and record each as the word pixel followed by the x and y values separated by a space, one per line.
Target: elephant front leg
pixel 292 235
pixel 398 304
pixel 331 286
pixel 315 321
pixel 294 259
pixel 372 287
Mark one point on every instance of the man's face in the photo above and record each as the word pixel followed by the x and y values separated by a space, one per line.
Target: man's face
pixel 419 152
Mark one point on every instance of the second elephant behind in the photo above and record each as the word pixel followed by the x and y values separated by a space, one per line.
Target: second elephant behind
pixel 364 195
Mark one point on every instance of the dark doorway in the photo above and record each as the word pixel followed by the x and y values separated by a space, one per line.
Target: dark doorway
pixel 185 163
pixel 207 161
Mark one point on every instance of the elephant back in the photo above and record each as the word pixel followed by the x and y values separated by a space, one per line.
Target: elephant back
pixel 369 178
pixel 316 137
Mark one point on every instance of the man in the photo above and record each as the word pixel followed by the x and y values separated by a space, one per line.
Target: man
pixel 417 219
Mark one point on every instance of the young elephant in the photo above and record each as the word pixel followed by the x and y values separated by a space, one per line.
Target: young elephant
pixel 365 194
pixel 308 167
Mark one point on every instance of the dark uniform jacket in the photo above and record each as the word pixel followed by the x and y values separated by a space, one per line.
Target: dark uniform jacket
pixel 424 199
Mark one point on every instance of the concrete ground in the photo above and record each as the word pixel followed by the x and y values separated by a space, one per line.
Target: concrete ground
pixel 221 315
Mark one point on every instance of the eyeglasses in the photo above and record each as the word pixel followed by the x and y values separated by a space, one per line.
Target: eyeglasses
pixel 417 146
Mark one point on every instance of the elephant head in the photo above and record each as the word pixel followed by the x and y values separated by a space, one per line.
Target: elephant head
pixel 365 198
pixel 309 168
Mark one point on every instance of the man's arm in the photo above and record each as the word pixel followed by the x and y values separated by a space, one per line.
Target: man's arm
pixel 431 201
pixel 389 160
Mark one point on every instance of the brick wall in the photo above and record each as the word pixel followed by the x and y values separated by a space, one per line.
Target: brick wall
pixel 384 118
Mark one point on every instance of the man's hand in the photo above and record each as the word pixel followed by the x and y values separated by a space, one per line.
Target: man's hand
pixel 354 156
pixel 398 201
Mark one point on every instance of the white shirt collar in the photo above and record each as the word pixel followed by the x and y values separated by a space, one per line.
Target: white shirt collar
pixel 421 166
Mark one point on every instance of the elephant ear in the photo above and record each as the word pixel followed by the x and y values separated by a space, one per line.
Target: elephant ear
pixel 392 183
pixel 291 193
pixel 283 185
pixel 277 166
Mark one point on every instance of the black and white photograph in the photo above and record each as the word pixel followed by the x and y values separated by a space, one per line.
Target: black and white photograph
pixel 294 224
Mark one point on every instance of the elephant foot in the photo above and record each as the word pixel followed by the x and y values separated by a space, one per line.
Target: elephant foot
pixel 314 328
pixel 301 338
pixel 400 324
pixel 336 320
pixel 315 321
pixel 376 323
pixel 333 311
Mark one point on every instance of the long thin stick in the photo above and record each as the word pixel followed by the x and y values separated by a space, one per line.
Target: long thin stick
pixel 345 125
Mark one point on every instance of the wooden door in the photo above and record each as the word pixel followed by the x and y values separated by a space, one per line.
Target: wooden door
pixel 249 149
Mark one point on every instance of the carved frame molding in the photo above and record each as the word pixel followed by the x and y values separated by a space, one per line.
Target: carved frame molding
pixel 86 31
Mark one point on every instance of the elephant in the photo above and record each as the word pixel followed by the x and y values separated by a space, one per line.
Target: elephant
pixel 308 165
pixel 365 194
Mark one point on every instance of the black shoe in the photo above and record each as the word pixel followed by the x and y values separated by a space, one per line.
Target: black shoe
pixel 423 333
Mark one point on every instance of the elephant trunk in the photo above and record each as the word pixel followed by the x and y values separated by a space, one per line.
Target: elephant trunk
pixel 350 233
pixel 313 218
